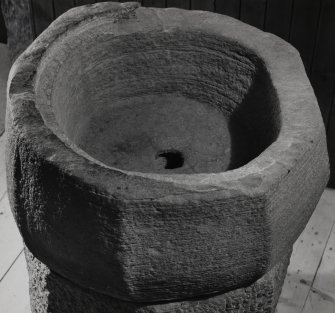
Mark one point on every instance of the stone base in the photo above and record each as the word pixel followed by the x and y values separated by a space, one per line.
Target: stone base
pixel 51 293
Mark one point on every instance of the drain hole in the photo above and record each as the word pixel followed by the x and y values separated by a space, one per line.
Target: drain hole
pixel 173 158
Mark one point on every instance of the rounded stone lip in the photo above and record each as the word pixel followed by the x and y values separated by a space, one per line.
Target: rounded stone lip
pixel 301 122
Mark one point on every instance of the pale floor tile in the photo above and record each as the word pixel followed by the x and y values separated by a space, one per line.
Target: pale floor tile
pixel 307 254
pixel 14 296
pixel 10 240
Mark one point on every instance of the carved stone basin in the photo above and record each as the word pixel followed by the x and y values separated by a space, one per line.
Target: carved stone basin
pixel 159 102
pixel 158 154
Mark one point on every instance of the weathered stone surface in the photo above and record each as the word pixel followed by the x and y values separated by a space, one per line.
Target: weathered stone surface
pixel 137 230
pixel 51 293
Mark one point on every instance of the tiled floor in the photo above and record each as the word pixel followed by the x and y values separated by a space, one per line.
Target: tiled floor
pixel 309 286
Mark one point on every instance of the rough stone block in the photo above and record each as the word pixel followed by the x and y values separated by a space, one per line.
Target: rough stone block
pixel 51 293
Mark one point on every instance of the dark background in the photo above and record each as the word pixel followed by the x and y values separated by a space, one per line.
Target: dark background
pixel 3 33
pixel 309 25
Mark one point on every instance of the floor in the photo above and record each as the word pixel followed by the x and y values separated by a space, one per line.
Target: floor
pixel 309 286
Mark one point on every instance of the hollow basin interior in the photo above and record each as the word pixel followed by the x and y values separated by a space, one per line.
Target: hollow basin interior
pixel 165 102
